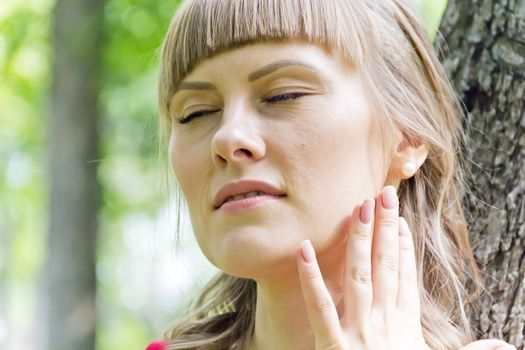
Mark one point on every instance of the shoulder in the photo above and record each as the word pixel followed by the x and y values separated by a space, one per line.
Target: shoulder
pixel 158 345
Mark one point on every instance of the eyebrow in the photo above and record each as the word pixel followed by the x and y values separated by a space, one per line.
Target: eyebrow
pixel 259 73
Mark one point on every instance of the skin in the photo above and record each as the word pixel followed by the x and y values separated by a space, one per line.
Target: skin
pixel 323 150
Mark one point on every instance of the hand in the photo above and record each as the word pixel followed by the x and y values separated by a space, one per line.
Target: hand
pixel 381 297
pixel 489 344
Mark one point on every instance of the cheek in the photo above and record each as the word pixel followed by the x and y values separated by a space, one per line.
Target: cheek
pixel 335 158
pixel 334 142
pixel 177 160
pixel 188 168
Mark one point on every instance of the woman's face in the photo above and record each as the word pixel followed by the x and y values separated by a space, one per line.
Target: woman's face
pixel 290 114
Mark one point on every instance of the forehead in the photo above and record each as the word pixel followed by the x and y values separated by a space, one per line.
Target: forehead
pixel 245 60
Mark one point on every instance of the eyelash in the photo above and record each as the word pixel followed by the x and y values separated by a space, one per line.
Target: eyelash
pixel 277 99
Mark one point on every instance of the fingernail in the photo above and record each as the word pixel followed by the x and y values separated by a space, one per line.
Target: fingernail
pixel 307 251
pixel 367 211
pixel 389 197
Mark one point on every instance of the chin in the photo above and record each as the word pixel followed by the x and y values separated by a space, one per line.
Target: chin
pixel 249 253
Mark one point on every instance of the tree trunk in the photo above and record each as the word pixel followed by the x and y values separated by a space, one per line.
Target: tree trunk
pixel 486 62
pixel 70 282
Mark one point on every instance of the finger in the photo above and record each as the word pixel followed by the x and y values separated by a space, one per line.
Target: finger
pixel 488 344
pixel 358 267
pixel 319 304
pixel 408 292
pixel 385 252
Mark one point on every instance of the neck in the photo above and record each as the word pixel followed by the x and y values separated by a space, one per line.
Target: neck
pixel 281 318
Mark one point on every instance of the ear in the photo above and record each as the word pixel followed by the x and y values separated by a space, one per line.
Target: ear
pixel 414 151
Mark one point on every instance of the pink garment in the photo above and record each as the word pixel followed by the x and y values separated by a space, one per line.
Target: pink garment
pixel 158 345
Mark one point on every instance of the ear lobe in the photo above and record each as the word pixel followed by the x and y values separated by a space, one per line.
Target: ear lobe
pixel 407 153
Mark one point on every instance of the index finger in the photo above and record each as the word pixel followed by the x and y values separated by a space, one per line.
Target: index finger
pixel 319 303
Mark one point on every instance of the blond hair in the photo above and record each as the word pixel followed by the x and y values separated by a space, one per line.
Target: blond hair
pixel 386 41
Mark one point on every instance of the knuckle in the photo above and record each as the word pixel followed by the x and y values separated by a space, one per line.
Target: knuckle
pixel 310 275
pixel 329 345
pixel 389 221
pixel 382 321
pixel 405 244
pixel 408 277
pixel 323 305
pixel 332 346
pixel 361 275
pixel 361 234
pixel 388 261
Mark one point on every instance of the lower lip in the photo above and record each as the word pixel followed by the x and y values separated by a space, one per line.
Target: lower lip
pixel 247 203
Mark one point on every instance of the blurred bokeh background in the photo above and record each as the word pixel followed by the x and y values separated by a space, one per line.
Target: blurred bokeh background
pixel 142 280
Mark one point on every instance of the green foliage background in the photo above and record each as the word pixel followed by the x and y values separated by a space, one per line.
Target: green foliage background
pixel 135 300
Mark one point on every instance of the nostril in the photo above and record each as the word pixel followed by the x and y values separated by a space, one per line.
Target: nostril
pixel 243 150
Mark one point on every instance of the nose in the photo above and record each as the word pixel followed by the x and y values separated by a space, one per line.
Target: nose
pixel 238 138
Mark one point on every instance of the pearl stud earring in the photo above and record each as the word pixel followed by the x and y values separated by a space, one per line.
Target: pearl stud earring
pixel 409 169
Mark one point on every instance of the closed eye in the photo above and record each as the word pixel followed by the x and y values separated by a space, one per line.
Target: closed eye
pixel 189 117
pixel 277 99
pixel 284 97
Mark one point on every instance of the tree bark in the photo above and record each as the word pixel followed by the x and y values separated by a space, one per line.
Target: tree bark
pixel 486 62
pixel 69 275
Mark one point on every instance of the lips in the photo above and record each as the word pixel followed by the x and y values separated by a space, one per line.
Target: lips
pixel 242 187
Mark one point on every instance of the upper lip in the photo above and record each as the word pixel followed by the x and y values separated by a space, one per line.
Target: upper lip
pixel 244 186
